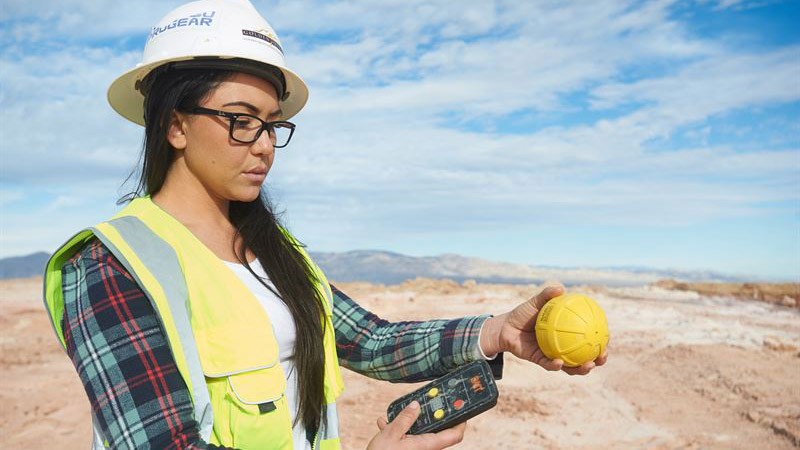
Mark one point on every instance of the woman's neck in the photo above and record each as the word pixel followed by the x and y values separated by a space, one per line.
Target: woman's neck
pixel 188 200
pixel 193 210
pixel 205 215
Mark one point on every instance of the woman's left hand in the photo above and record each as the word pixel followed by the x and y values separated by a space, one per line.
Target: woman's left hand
pixel 515 332
pixel 393 435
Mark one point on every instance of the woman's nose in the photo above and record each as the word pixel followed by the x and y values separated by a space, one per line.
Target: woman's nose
pixel 263 145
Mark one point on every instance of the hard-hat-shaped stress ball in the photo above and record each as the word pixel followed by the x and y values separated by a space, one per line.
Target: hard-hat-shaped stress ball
pixel 572 328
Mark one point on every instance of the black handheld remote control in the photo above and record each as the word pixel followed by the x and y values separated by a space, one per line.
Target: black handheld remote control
pixel 454 398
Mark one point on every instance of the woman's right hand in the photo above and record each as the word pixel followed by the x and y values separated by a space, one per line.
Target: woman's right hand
pixel 393 435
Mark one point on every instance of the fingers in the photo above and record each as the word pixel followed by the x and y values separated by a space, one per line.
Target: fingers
pixel 587 367
pixel 583 369
pixel 553 283
pixel 601 359
pixel 523 317
pixel 451 436
pixel 529 349
pixel 403 422
pixel 547 363
pixel 393 435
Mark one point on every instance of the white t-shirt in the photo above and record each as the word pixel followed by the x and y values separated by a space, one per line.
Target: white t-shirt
pixel 285 333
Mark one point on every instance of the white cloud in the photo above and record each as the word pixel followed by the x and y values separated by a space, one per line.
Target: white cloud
pixel 9 196
pixel 45 217
pixel 741 4
pixel 79 20
pixel 721 83
pixel 56 121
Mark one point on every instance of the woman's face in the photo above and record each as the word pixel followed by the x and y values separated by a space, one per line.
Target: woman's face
pixel 226 169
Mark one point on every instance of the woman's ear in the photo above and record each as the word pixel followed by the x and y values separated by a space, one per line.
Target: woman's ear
pixel 176 134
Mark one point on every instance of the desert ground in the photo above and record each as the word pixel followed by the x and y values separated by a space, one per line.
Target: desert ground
pixel 685 370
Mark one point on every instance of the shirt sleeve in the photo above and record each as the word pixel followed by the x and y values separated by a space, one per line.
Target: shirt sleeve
pixel 404 351
pixel 114 339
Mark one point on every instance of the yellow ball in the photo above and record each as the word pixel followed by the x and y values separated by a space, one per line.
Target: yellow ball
pixel 573 328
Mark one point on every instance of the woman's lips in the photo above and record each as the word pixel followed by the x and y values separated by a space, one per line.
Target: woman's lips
pixel 257 175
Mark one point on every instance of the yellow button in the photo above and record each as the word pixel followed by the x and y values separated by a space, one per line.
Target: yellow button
pixel 438 414
pixel 433 392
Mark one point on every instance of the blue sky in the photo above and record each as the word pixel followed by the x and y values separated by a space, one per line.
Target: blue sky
pixel 612 133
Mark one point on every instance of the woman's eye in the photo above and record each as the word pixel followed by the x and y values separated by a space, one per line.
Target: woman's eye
pixel 245 123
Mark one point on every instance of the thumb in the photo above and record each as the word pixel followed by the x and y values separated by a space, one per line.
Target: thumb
pixel 523 317
pixel 546 295
pixel 403 422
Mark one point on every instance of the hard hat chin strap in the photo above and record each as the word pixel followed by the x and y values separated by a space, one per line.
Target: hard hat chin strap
pixel 271 74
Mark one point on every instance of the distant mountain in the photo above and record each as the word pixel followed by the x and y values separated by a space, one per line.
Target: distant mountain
pixel 391 268
pixel 685 275
pixel 23 266
pixel 384 267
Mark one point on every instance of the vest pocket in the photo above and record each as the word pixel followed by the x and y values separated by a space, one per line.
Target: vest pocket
pixel 258 386
pixel 252 428
pixel 238 420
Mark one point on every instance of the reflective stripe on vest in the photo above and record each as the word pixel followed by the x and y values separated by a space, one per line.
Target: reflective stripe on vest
pixel 154 260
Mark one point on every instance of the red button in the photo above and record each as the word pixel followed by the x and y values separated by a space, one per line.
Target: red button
pixel 458 404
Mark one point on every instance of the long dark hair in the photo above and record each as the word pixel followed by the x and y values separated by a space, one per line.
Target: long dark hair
pixel 257 226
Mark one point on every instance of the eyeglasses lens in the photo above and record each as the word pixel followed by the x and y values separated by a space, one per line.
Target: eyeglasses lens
pixel 246 129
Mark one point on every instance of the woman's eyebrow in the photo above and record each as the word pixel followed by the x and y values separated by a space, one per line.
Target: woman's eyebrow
pixel 252 108
pixel 249 106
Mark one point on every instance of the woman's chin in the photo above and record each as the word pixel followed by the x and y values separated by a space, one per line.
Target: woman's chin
pixel 246 195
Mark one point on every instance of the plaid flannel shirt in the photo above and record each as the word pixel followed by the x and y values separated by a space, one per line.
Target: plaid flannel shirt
pixel 137 395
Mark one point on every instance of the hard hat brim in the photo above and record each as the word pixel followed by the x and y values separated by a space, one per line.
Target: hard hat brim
pixel 128 101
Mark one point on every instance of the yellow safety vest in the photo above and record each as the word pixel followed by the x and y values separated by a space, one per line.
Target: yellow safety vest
pixel 219 334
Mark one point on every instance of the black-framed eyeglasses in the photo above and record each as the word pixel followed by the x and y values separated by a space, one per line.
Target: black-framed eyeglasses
pixel 246 128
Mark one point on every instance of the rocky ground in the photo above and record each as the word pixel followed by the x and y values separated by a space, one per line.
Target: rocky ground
pixel 784 294
pixel 686 370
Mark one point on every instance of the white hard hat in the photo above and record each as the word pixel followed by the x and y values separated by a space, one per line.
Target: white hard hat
pixel 210 33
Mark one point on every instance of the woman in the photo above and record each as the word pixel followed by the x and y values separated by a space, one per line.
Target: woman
pixel 192 317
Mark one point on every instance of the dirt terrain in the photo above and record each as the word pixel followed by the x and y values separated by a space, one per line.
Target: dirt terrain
pixel 785 294
pixel 685 370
